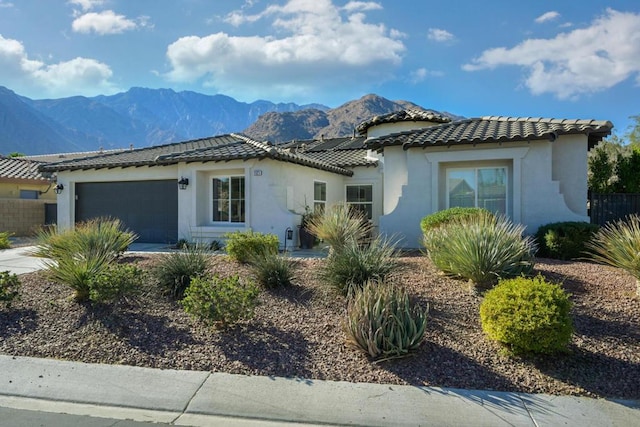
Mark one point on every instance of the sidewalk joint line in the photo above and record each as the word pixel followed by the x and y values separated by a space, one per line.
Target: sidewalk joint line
pixel 526 408
pixel 184 410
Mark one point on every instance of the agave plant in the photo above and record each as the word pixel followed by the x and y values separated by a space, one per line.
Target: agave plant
pixel 618 244
pixel 382 322
pixel 481 248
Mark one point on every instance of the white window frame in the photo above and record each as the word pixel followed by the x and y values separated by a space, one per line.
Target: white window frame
pixel 318 202
pixel 211 199
pixel 475 170
pixel 366 184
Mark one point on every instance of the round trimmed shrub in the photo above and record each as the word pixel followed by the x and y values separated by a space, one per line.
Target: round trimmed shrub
pixel 442 217
pixel 564 240
pixel 527 315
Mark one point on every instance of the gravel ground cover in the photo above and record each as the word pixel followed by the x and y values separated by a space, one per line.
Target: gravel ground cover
pixel 297 332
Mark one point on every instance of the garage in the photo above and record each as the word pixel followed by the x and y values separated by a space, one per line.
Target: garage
pixel 148 208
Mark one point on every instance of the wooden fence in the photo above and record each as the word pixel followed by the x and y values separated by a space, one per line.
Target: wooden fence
pixel 605 208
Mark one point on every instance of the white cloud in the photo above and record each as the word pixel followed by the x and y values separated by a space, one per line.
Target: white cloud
pixel 548 16
pixel 4 4
pixel 422 74
pixel 585 60
pixel 77 76
pixel 316 43
pixel 105 22
pixel 439 35
pixel 86 4
pixel 354 6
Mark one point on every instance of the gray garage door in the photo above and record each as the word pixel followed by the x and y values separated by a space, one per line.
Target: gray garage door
pixel 149 208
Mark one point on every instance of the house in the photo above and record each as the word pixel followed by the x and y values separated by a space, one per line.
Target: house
pixel 402 167
pixel 26 195
pixel 202 189
pixel 532 170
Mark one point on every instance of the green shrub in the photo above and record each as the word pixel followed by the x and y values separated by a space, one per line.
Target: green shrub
pixel 564 240
pixel 77 256
pixel 242 245
pixel 527 315
pixel 481 248
pixel 5 243
pixel 383 323
pixel 115 282
pixel 220 301
pixel 339 225
pixel 175 270
pixel 272 270
pixel 618 244
pixel 442 217
pixel 9 287
pixel 354 265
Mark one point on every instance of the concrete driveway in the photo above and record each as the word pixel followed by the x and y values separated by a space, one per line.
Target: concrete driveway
pixel 19 260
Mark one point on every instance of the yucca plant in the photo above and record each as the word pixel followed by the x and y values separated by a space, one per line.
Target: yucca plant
pixel 481 248
pixel 174 271
pixel 272 270
pixel 339 225
pixel 383 323
pixel 75 257
pixel 618 244
pixel 350 268
pixel 105 236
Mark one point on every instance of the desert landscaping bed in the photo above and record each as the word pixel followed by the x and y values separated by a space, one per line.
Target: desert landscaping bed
pixel 297 332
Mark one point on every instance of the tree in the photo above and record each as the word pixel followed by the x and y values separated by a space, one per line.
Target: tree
pixel 614 165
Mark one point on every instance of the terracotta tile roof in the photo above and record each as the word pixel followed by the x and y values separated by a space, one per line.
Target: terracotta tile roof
pixel 17 168
pixel 214 149
pixel 494 129
pixel 344 152
pixel 403 116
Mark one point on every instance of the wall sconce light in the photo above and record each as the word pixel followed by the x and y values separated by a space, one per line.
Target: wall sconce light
pixel 58 188
pixel 182 184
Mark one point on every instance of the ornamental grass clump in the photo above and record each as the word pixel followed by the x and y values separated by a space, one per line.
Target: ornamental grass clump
pixel 383 323
pixel 618 244
pixel 75 257
pixel 481 248
pixel 220 301
pixel 339 225
pixel 271 270
pixel 350 268
pixel 174 271
pixel 527 315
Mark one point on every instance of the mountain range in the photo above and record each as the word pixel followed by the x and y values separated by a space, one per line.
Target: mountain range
pixel 144 117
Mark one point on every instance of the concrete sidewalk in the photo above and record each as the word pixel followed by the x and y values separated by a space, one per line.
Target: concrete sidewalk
pixel 19 261
pixel 210 399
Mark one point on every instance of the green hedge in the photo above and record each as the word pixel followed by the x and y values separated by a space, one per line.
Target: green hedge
pixel 564 240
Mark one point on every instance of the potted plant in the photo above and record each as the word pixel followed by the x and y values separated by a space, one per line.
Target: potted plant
pixel 307 240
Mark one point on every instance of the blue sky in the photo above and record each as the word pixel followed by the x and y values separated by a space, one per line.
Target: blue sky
pixel 562 59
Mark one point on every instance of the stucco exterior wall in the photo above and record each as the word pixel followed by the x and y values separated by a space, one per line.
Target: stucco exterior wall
pixel 11 190
pixel 547 182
